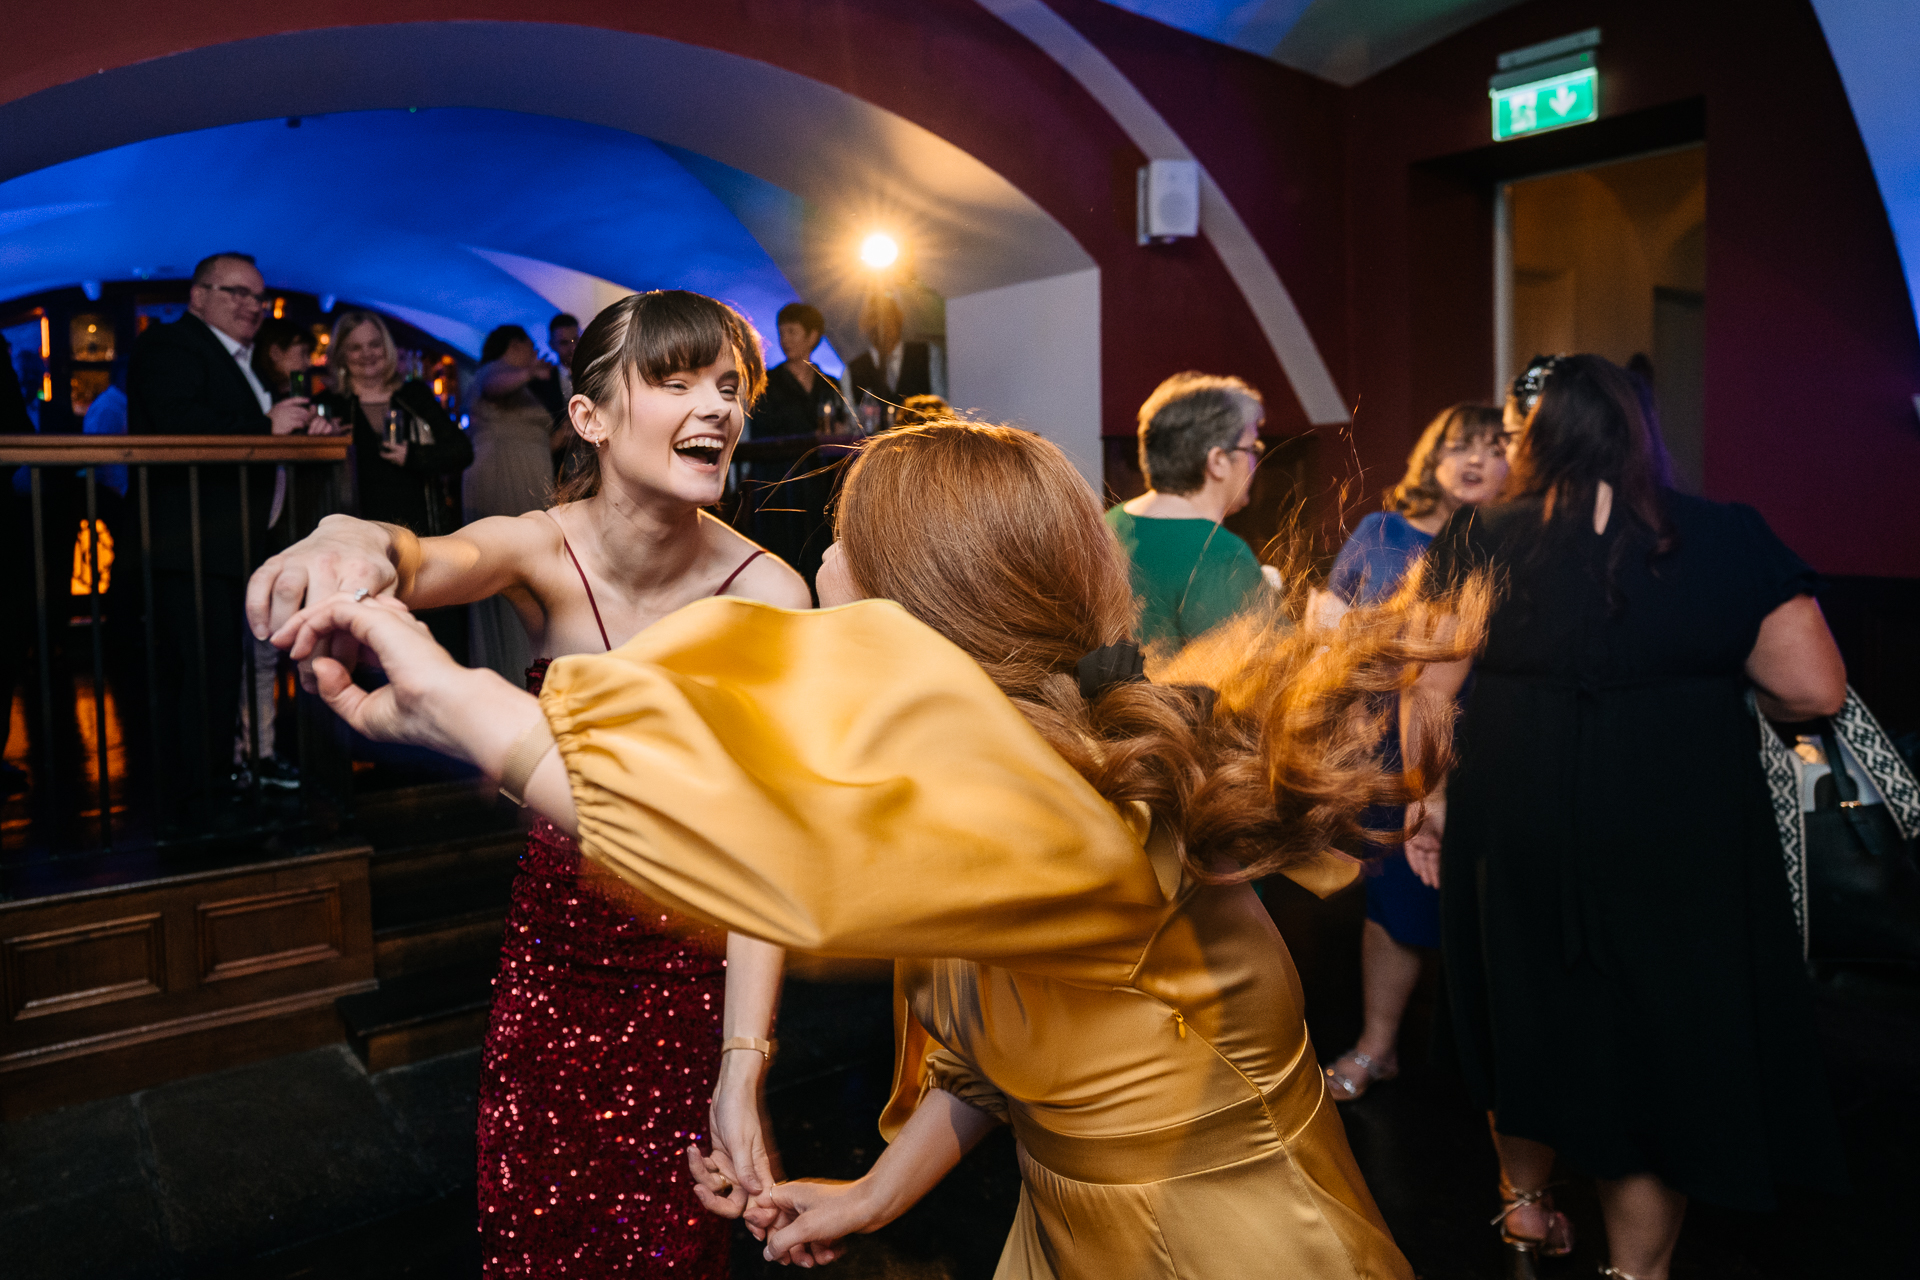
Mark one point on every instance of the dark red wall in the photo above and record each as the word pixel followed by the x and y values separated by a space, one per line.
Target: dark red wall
pixel 1812 355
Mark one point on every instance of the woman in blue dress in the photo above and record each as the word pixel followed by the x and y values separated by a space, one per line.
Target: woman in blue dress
pixel 1460 461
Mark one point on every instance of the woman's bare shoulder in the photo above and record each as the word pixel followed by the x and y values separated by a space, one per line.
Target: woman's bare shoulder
pixel 767 578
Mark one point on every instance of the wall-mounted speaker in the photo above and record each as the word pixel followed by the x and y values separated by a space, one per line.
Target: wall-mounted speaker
pixel 1167 206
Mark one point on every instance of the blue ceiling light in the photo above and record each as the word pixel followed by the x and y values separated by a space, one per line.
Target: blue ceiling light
pixel 455 220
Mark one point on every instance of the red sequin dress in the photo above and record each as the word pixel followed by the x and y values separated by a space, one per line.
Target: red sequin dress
pixel 601 1053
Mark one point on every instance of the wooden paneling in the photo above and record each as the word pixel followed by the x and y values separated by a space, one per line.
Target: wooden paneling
pixel 242 936
pixel 115 989
pixel 66 969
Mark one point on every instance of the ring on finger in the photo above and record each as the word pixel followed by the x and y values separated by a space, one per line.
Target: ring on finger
pixel 359 595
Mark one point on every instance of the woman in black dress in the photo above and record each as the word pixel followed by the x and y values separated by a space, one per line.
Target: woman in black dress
pixel 1613 896
pixel 397 474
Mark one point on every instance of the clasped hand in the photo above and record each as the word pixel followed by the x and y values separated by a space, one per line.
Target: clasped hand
pixel 802 1222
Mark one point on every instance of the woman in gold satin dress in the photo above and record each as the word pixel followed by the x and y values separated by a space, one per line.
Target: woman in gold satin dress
pixel 1055 854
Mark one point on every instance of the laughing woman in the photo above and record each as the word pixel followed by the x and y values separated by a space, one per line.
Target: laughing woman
pixel 969 774
pixel 605 1037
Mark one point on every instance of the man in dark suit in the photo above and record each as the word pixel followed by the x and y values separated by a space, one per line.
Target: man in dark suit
pixel 889 370
pixel 194 378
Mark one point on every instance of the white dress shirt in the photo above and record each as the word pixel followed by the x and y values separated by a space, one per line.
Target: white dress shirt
pixel 245 356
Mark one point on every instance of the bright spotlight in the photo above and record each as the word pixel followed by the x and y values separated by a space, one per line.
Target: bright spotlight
pixel 879 250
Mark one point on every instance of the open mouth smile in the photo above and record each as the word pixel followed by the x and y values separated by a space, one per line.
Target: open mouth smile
pixel 703 450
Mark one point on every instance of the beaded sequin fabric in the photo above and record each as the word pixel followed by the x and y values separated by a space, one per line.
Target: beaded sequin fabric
pixel 600 1058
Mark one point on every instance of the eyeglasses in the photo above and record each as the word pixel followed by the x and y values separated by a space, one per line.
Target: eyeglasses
pixel 1258 449
pixel 239 293
pixel 1526 388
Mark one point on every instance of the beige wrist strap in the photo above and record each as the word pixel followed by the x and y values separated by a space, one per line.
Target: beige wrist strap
pixel 406 560
pixel 526 753
pixel 764 1048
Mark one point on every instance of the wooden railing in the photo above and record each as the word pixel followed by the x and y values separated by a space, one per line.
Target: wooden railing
pixel 63 475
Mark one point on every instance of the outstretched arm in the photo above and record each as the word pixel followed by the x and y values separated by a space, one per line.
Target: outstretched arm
pixel 429 699
pixel 348 554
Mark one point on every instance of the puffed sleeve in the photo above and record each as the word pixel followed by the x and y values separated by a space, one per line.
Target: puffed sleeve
pixel 846 782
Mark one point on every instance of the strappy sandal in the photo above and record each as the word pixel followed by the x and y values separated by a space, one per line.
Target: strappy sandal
pixel 1345 1086
pixel 1615 1273
pixel 1557 1242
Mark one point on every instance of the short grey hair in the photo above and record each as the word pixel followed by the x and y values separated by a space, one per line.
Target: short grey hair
pixel 1186 418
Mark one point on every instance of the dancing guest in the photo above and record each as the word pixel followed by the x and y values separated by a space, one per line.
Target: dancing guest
pixel 604 1042
pixel 968 774
pixel 194 377
pixel 1460 461
pixel 1199 444
pixel 1613 894
pixel 514 436
pixel 404 442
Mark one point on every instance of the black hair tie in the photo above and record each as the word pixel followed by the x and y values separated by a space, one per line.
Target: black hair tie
pixel 1110 665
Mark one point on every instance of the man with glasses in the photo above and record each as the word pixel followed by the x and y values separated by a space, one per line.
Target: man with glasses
pixel 195 377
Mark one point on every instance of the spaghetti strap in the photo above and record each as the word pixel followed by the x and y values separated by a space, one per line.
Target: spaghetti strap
pixel 757 553
pixel 591 602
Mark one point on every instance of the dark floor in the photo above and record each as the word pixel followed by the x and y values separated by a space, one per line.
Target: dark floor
pixel 306 1166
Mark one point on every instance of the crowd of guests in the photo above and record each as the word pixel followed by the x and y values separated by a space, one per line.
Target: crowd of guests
pixel 227 367
pixel 1045 784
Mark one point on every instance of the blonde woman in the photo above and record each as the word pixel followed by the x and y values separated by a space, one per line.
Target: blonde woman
pixel 396 470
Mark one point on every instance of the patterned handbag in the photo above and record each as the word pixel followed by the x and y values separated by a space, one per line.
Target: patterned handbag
pixel 1850 864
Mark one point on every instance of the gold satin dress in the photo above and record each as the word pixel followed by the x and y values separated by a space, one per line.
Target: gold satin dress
pixel 846 782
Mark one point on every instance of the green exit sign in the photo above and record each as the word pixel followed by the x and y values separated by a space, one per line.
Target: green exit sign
pixel 1539 105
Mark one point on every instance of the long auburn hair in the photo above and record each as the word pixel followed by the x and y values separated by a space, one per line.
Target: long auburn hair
pixel 1418 492
pixel 990 536
pixel 1588 426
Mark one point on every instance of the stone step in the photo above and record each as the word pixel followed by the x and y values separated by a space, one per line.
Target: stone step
pixel 420 1015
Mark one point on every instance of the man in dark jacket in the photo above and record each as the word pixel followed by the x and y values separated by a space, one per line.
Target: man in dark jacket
pixel 194 377
pixel 889 370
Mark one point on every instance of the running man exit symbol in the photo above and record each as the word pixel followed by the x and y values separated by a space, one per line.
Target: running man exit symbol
pixel 1551 103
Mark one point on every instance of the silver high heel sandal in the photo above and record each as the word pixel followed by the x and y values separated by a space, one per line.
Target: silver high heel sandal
pixel 1523 1251
pixel 1615 1273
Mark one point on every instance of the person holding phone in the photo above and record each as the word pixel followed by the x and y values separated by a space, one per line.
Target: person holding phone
pixel 404 441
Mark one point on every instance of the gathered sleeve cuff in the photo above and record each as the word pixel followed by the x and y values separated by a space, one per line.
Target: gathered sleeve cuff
pixel 845 782
pixel 921 1063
